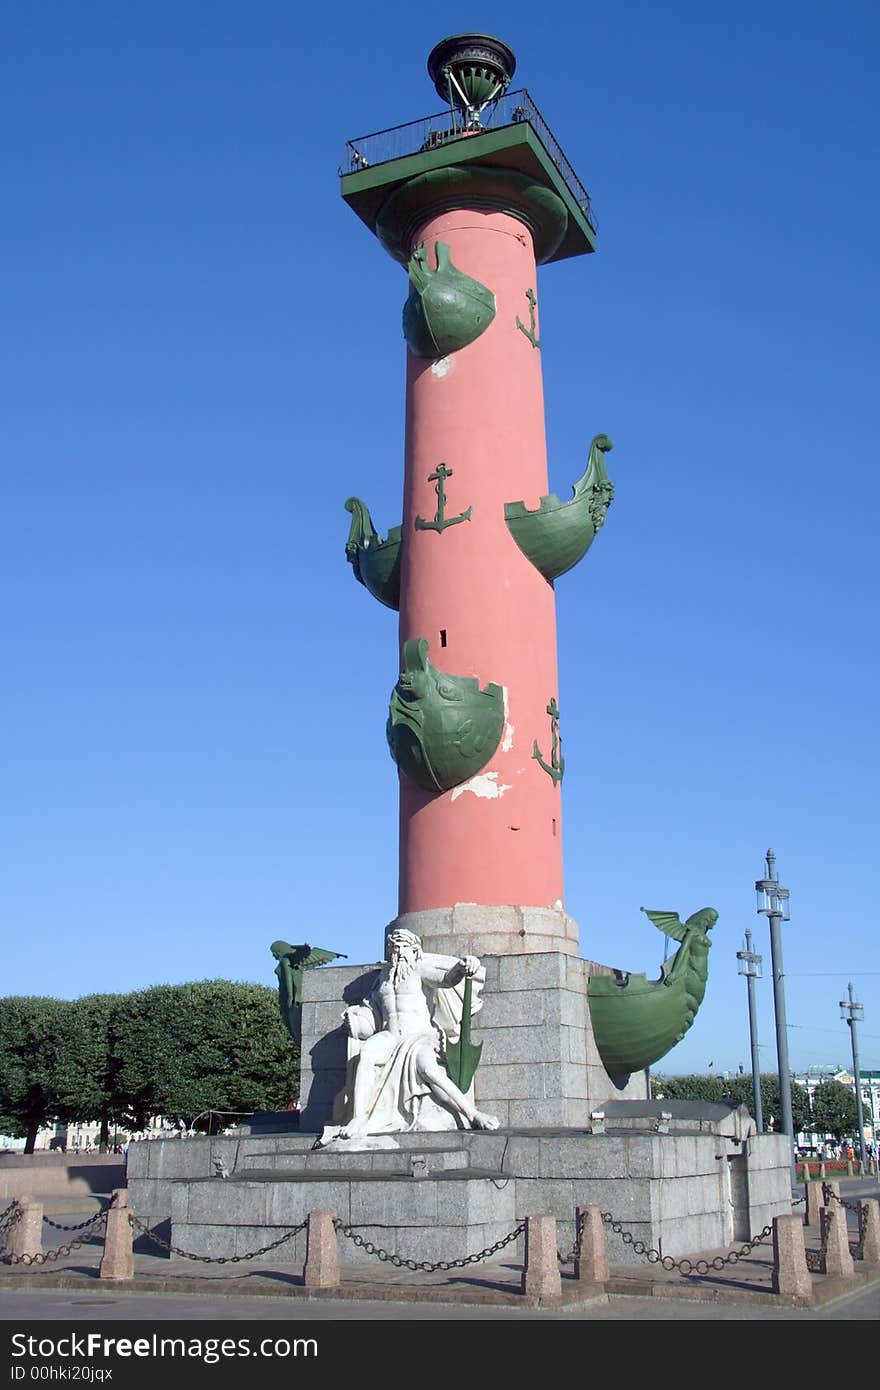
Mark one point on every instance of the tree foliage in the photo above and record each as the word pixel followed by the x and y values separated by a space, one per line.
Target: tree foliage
pixel 32 1062
pixel 834 1109
pixel 181 1050
pixel 739 1090
pixel 173 1050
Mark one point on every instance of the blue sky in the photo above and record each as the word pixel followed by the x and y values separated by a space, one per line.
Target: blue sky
pixel 202 358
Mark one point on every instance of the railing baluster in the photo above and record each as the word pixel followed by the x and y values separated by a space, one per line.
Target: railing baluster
pixel 432 131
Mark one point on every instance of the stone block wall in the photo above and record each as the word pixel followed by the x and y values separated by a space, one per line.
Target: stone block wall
pixel 673 1191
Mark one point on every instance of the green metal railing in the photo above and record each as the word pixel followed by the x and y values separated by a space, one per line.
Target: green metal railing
pixel 446 127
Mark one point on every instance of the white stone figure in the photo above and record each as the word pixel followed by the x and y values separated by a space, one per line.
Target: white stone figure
pixel 398 1035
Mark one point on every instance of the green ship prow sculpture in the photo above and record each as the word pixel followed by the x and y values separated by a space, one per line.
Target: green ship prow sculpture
pixel 636 1021
pixel 376 563
pixel 442 729
pixel 558 534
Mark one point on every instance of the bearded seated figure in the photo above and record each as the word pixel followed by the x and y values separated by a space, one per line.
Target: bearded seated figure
pixel 397 1080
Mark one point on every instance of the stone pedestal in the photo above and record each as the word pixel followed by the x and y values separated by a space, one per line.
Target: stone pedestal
pixel 470 929
pixel 444 1196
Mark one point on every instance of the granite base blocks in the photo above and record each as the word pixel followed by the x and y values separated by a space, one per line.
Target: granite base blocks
pixel 680 1193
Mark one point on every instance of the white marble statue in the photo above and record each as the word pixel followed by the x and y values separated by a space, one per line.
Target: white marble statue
pixel 397 1081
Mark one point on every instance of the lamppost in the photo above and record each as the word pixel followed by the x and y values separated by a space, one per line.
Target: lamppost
pixel 750 967
pixel 851 1012
pixel 773 903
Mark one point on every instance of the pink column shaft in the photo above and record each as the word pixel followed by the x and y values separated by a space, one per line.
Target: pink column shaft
pixel 498 839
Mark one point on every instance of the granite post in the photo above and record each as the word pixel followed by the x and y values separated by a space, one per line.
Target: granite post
pixel 26 1236
pixel 117 1261
pixel 815 1203
pixel 591 1266
pixel 869 1216
pixel 322 1257
pixel 790 1274
pixel 541 1279
pixel 835 1242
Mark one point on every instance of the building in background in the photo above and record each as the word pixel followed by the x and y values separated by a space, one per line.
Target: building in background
pixel 813 1077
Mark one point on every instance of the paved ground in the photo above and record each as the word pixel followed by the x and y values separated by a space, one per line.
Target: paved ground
pixel 162 1289
pixel 39 1305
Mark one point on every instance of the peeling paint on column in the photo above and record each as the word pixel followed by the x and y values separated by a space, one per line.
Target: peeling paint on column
pixel 509 729
pixel 485 784
pixel 441 367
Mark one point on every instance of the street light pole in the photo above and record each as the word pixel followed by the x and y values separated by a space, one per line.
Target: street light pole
pixel 851 1011
pixel 750 966
pixel 773 903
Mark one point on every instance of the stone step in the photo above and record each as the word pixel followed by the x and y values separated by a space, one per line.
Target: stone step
pixel 388 1161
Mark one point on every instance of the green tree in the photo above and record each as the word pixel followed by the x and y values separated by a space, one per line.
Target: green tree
pixel 86 1092
pixel 834 1109
pixel 771 1102
pixel 183 1050
pixel 690 1087
pixel 738 1089
pixel 33 1087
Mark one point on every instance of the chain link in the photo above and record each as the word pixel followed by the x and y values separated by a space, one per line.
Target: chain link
pixel 574 1253
pixel 829 1196
pixel 43 1257
pixel 10 1216
pixel 425 1265
pixel 89 1221
pixel 684 1266
pixel 214 1259
pixel 858 1249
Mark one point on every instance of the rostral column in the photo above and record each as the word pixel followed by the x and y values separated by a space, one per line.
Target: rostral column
pixel 471 202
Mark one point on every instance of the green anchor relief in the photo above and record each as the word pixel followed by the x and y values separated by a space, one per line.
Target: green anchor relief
pixel 636 1020
pixel 462 1058
pixel 446 309
pixel 558 534
pixel 555 769
pixel 441 520
pixel 530 331
pixel 441 729
pixel 376 563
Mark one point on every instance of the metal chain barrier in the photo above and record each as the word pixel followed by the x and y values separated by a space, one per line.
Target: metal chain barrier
pixel 89 1221
pixel 828 1195
pixel 815 1261
pixel 8 1218
pixel 214 1259
pixel 858 1249
pixel 44 1257
pixel 684 1266
pixel 575 1251
pixel 426 1265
